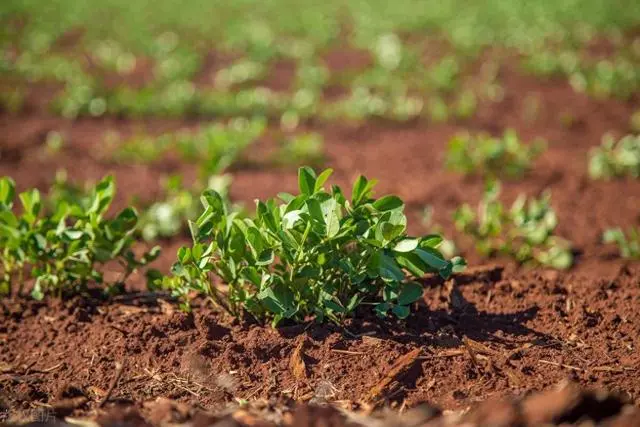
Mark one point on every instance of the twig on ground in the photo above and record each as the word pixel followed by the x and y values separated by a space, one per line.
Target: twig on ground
pixel 350 353
pixel 399 367
pixel 112 385
pixel 51 369
pixel 561 365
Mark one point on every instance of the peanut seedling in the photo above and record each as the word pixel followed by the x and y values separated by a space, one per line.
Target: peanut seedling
pixel 314 254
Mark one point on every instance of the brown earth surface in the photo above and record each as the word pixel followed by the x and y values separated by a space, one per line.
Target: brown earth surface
pixel 496 331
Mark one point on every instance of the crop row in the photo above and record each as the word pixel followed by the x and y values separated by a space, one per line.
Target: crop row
pixel 400 79
pixel 318 253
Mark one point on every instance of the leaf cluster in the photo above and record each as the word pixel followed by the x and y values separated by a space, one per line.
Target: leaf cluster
pixel 62 249
pixel 628 242
pixel 212 148
pixel 170 214
pixel 485 155
pixel 301 149
pixel 524 232
pixel 615 159
pixel 315 254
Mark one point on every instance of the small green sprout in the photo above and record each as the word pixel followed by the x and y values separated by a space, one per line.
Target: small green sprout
pixel 212 148
pixel 437 110
pixel 628 243
pixel 54 142
pixel 615 159
pixel 444 75
pixel 243 71
pixel 525 232
pixel 494 157
pixel 315 254
pixel 301 149
pixel 169 216
pixel 634 122
pixel 466 104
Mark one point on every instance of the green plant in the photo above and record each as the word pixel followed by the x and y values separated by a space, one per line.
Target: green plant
pixel 438 110
pixel 12 100
pixel 54 142
pixel 170 215
pixel 212 148
pixel 110 55
pixel 363 102
pixel 443 76
pixel 216 147
pixel 614 159
pixel 315 254
pixel 628 243
pixel 301 149
pixel 139 148
pixel 524 232
pixel 466 105
pixel 634 122
pixel 62 191
pixel 62 250
pixel 243 71
pixel 616 77
pixel 485 155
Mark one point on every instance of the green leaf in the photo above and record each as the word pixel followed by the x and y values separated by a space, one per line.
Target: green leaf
pixel 459 264
pixel 296 203
pixel 278 301
pixel 359 187
pixel 322 178
pixel 331 214
pixel 315 210
pixel 37 292
pixel 125 221
pixel 286 197
pixel 196 251
pixel 7 191
pixel 103 194
pixel 255 240
pixel 406 245
pixel 184 255
pixel 72 234
pixel 290 219
pixel 354 302
pixel 382 309
pixel 151 255
pixel 387 268
pixel 413 263
pixel 306 180
pixel 265 216
pixel 265 258
pixel 410 292
pixel 388 203
pixel 401 311
pixel 431 241
pixel 8 218
pixel 387 231
pixel 212 199
pixel 31 204
pixel 333 305
pixel 361 191
pixel 432 258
